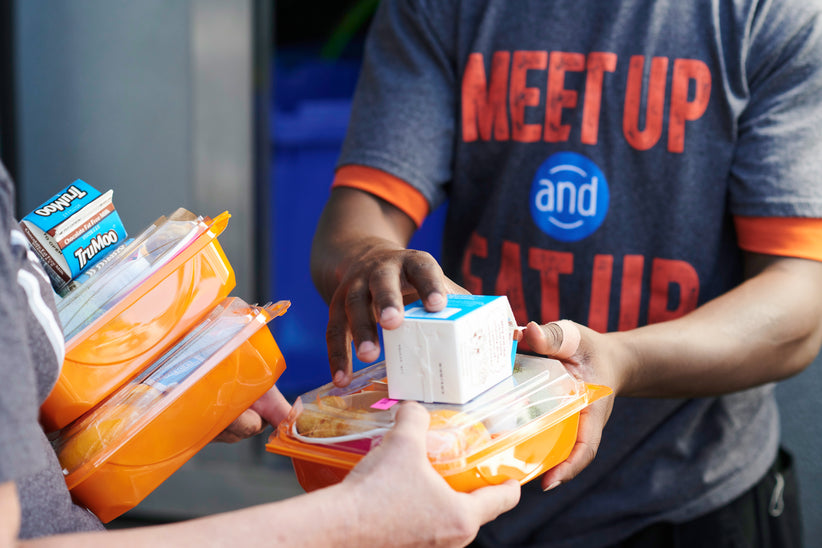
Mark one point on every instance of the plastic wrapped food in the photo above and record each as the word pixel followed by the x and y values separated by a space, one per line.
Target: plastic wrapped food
pixel 517 429
pixel 146 254
pixel 135 306
pixel 120 451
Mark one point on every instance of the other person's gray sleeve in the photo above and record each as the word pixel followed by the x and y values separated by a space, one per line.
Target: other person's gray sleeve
pixel 403 115
pixel 778 160
pixel 21 452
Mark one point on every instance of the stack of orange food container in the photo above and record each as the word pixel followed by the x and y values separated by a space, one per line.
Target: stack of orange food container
pixel 117 323
pixel 159 360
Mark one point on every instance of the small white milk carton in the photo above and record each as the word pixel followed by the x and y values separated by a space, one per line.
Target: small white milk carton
pixel 452 355
pixel 72 231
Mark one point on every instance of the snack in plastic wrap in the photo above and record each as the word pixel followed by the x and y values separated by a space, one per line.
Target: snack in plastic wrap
pixel 452 435
pixel 138 302
pixel 91 441
pixel 150 250
pixel 120 451
pixel 517 429
pixel 318 424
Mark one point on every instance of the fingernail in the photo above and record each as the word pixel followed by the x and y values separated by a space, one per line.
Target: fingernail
pixel 435 299
pixel 552 486
pixel 338 377
pixel 389 314
pixel 365 347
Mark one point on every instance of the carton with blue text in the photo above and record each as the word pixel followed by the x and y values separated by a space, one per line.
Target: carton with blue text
pixel 73 230
pixel 452 355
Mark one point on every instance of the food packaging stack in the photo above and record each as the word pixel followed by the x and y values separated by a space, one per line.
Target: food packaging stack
pixel 159 357
pixel 495 414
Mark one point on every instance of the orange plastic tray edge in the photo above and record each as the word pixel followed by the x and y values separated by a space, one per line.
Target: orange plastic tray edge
pixel 110 489
pixel 319 468
pixel 71 398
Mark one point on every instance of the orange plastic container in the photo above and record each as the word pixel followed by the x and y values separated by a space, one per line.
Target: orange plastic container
pixel 517 429
pixel 123 339
pixel 119 452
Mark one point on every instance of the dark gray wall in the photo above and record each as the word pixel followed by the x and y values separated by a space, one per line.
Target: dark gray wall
pixel 152 99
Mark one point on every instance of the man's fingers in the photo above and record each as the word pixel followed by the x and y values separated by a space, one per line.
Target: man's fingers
pixel 496 499
pixel 591 422
pixel 386 293
pixel 338 341
pixel 360 318
pixel 248 424
pixel 422 272
pixel 411 419
pixel 272 407
pixel 556 339
pixel 409 432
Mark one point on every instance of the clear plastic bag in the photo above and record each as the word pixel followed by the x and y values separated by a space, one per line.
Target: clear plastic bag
pixel 148 252
pixel 91 439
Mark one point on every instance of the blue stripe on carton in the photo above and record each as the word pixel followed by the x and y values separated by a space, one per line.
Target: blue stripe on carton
pixel 457 307
pixel 92 243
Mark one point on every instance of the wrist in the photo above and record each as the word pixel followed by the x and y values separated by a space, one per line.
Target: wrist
pixel 624 363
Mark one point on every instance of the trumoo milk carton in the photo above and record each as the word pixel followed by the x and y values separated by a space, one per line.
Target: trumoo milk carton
pixel 73 230
pixel 452 355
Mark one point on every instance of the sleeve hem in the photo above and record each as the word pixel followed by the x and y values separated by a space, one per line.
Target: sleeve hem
pixel 783 236
pixel 385 186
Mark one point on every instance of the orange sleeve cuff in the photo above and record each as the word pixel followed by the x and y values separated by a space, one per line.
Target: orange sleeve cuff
pixel 392 189
pixel 784 236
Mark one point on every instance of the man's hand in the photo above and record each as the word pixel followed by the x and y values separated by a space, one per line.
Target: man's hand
pixel 374 290
pixel 582 351
pixel 398 475
pixel 361 267
pixel 271 408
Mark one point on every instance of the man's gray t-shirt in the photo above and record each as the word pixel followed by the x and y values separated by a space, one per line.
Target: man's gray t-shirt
pixel 31 343
pixel 595 156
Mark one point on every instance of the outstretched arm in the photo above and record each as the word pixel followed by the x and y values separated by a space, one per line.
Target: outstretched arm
pixel 394 497
pixel 361 267
pixel 766 329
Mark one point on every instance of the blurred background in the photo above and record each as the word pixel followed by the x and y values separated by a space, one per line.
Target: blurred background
pixel 240 106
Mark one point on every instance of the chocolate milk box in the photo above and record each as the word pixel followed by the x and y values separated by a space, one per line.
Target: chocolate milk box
pixel 73 230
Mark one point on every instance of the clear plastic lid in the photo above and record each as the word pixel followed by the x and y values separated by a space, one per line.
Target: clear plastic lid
pixel 153 248
pixel 93 438
pixel 329 421
pixel 118 326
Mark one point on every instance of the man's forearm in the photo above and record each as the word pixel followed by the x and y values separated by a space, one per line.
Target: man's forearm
pixel 765 330
pixel 352 223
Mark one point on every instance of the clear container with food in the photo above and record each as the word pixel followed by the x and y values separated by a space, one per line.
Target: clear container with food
pixel 120 451
pixel 517 429
pixel 137 304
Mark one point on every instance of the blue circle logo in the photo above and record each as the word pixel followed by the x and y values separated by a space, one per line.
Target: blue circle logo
pixel 569 197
